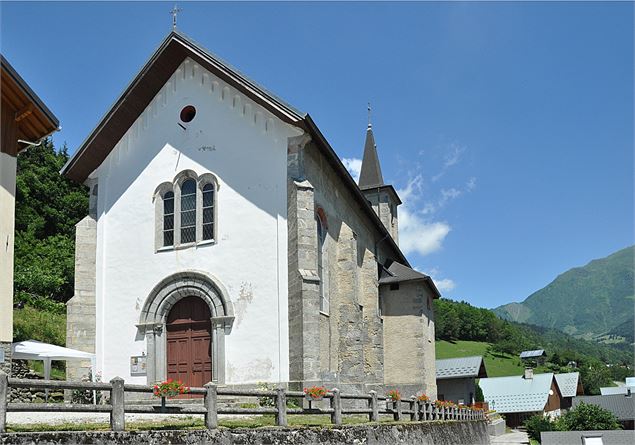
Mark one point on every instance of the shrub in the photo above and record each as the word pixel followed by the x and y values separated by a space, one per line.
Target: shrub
pixel 478 396
pixel 266 401
pixel 536 424
pixel 588 417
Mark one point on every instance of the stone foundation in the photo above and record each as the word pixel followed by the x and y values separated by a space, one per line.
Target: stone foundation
pixel 20 370
pixel 420 433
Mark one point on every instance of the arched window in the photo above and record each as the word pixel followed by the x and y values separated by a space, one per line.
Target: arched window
pixel 185 211
pixel 321 242
pixel 208 212
pixel 168 219
pixel 188 211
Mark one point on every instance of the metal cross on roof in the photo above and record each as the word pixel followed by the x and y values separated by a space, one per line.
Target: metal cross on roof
pixel 369 114
pixel 174 12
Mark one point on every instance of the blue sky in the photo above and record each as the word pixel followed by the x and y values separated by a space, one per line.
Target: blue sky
pixel 506 127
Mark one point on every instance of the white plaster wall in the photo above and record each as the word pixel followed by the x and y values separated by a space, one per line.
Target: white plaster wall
pixel 7 224
pixel 246 148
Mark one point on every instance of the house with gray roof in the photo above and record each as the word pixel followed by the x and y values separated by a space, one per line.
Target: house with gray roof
pixel 520 397
pixel 610 437
pixel 622 406
pixel 570 386
pixel 456 378
pixel 536 356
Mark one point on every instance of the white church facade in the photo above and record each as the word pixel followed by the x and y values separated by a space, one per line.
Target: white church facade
pixel 226 242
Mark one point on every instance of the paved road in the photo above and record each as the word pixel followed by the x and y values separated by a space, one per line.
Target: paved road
pixel 514 438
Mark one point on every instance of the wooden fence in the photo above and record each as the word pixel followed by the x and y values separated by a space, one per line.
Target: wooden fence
pixel 403 410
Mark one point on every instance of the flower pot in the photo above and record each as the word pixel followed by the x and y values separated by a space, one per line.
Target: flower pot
pixel 314 398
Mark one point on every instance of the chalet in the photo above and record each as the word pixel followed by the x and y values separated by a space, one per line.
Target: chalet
pixel 570 386
pixel 25 122
pixel 520 397
pixel 456 378
pixel 534 357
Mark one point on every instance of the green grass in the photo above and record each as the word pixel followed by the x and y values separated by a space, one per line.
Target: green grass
pixel 189 423
pixel 56 374
pixel 497 364
pixel 30 323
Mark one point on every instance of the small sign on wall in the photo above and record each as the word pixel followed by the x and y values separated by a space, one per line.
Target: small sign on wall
pixel 138 365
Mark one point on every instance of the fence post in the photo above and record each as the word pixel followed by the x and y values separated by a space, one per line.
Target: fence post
pixel 117 415
pixel 211 415
pixel 374 415
pixel 336 404
pixel 4 399
pixel 397 410
pixel 413 409
pixel 281 406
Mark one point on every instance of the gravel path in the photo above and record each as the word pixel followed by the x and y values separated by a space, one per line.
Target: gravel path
pixel 25 418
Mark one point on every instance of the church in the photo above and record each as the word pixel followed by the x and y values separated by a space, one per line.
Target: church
pixel 226 242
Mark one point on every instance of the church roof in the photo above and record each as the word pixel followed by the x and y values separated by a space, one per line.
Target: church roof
pixel 394 272
pixel 148 82
pixel 370 175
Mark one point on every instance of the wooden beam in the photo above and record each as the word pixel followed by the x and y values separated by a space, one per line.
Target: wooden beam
pixel 24 112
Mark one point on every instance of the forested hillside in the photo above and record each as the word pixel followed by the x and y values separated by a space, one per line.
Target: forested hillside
pixel 584 301
pixel 47 208
pixel 462 321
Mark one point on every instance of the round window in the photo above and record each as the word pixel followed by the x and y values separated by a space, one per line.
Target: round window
pixel 188 113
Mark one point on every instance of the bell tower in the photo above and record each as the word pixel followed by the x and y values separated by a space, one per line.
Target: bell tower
pixel 382 197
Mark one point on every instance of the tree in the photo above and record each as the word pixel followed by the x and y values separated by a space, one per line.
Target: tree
pixel 588 417
pixel 594 375
pixel 48 206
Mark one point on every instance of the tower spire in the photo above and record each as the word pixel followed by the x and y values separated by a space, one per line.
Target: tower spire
pixel 370 175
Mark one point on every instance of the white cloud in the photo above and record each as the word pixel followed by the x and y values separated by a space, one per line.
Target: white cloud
pixel 445 284
pixel 450 159
pixel 354 167
pixel 471 184
pixel 418 235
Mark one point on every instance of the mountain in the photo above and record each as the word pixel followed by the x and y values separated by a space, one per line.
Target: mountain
pixel 588 301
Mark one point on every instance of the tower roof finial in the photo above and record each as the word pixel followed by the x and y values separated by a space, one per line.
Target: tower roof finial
pixel 174 12
pixel 369 124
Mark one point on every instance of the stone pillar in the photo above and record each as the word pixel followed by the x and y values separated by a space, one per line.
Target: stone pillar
pixel 304 297
pixel 80 310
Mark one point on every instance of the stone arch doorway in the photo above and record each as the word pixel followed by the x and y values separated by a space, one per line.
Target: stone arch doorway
pixel 155 314
pixel 189 342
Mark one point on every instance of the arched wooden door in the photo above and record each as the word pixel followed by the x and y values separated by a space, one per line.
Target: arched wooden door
pixel 189 352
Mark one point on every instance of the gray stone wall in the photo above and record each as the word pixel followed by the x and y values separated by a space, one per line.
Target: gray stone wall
pixel 416 433
pixel 347 339
pixel 5 366
pixel 80 310
pixel 409 355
